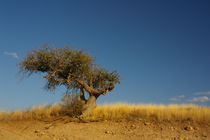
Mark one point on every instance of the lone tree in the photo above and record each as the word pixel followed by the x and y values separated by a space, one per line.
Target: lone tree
pixel 75 69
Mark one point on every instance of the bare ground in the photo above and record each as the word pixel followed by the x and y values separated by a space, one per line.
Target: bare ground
pixel 68 129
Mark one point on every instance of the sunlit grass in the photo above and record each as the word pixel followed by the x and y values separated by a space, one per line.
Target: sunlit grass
pixel 37 112
pixel 152 112
pixel 119 111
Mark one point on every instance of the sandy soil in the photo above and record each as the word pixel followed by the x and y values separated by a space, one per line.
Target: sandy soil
pixel 65 129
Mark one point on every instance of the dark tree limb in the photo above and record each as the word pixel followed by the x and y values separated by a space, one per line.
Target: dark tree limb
pixel 92 90
pixel 82 95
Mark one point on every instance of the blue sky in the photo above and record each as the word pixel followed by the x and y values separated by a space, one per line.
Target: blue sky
pixel 160 48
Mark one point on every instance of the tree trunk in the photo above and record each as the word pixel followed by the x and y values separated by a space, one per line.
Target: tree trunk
pixel 90 105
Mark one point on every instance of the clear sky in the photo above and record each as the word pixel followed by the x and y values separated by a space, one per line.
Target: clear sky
pixel 160 48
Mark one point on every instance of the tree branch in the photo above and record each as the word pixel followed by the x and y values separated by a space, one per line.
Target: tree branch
pixel 92 90
pixel 82 95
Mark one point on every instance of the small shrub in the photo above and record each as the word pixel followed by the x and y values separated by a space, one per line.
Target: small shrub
pixel 72 105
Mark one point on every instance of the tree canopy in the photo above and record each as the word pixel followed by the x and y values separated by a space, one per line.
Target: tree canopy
pixel 72 68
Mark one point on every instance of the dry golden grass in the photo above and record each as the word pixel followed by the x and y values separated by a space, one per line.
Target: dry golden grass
pixel 37 112
pixel 119 111
pixel 154 112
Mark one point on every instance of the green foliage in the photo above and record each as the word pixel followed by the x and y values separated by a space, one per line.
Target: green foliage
pixel 71 105
pixel 72 68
